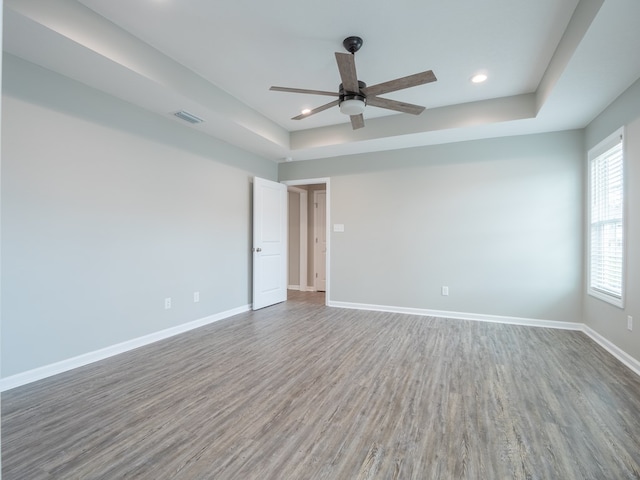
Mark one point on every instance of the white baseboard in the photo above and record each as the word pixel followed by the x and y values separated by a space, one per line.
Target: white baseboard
pixel 531 322
pixel 613 349
pixel 301 288
pixel 65 365
pixel 40 373
pixel 632 363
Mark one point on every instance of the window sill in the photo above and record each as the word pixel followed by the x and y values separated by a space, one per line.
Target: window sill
pixel 616 302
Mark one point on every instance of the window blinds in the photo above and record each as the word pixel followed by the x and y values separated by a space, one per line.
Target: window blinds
pixel 606 242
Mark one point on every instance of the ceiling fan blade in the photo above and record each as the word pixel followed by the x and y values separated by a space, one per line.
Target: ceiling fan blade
pixel 401 83
pixel 357 121
pixel 347 69
pixel 317 110
pixel 303 90
pixel 395 105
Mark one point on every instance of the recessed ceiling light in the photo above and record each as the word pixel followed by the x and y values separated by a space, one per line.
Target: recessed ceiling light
pixel 479 78
pixel 306 111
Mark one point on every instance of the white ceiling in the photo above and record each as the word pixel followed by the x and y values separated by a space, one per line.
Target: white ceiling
pixel 552 64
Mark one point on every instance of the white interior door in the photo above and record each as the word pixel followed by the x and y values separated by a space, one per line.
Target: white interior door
pixel 320 241
pixel 269 243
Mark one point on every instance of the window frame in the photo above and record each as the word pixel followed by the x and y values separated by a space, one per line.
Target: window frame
pixel 613 140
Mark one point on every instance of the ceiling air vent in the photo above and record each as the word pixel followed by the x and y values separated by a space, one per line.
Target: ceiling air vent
pixel 188 117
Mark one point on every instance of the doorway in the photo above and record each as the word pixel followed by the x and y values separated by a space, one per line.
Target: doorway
pixel 309 239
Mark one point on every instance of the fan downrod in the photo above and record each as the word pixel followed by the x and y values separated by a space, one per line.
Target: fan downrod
pixel 352 44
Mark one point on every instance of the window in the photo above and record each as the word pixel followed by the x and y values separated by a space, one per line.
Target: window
pixel 606 220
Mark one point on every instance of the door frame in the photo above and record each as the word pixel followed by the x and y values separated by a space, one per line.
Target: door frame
pixel 327 182
pixel 316 246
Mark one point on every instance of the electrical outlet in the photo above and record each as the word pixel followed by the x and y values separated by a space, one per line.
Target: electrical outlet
pixel 196 297
pixel 167 303
pixel 629 322
pixel 445 291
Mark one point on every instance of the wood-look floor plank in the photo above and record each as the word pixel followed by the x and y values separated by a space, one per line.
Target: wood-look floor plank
pixel 302 391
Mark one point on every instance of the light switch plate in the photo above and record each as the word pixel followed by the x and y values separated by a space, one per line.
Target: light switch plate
pixel 338 227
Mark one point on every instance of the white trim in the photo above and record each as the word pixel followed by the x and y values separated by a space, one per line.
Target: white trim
pixel 327 212
pixel 613 349
pixel 615 301
pixel 301 288
pixel 65 365
pixel 304 234
pixel 530 322
pixel 632 363
pixel 306 181
pixel 316 227
pixel 40 373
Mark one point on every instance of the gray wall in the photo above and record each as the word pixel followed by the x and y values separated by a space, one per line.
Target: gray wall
pixel 106 210
pixel 498 221
pixel 607 320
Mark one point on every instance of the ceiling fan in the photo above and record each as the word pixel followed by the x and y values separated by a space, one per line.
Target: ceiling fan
pixel 354 95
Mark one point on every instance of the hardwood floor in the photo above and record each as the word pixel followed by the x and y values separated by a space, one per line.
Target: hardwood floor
pixel 302 391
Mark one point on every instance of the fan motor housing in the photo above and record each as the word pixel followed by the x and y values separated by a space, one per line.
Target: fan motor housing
pixel 346 95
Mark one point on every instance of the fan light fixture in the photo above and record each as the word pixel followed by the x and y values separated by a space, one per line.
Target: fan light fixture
pixel 352 106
